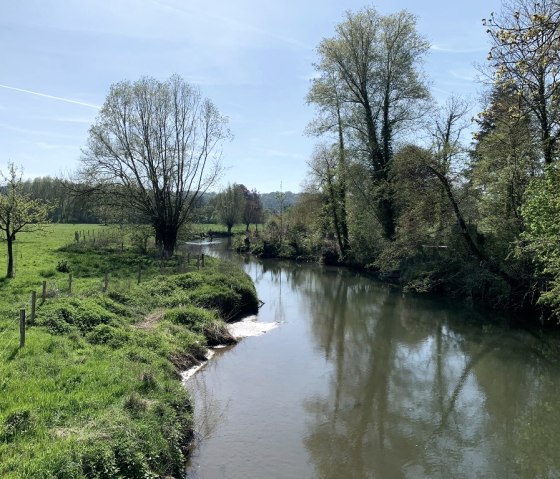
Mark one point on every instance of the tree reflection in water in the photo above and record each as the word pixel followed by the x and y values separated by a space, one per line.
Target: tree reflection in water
pixel 418 390
pixel 413 387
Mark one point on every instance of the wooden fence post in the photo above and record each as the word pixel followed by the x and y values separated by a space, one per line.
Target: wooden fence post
pixel 22 328
pixel 202 259
pixel 44 295
pixel 33 305
pixel 70 283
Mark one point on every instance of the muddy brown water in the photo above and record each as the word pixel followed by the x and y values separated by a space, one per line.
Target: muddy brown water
pixel 361 381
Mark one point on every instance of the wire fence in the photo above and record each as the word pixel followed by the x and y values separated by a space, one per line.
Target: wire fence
pixel 22 312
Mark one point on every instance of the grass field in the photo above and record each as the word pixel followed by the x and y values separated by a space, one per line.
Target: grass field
pixel 95 391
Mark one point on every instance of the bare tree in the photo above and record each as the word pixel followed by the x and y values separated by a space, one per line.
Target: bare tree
pixel 158 145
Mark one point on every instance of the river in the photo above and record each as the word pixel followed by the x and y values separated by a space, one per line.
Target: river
pixel 361 381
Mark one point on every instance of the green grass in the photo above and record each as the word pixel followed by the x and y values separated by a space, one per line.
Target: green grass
pixel 95 392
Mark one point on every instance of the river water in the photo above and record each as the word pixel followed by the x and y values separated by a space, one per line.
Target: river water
pixel 361 381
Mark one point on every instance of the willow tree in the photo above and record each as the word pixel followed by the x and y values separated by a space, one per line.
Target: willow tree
pixel 372 66
pixel 230 205
pixel 158 145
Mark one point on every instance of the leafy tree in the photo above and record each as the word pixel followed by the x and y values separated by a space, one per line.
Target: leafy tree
pixel 504 159
pixel 374 60
pixel 160 144
pixel 253 209
pixel 524 57
pixel 327 93
pixel 540 212
pixel 326 171
pixel 230 204
pixel 18 212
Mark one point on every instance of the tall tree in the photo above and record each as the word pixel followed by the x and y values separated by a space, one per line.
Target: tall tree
pixel 18 212
pixel 504 159
pixel 524 58
pixel 230 204
pixel 377 58
pixel 540 212
pixel 326 171
pixel 252 210
pixel 326 92
pixel 160 143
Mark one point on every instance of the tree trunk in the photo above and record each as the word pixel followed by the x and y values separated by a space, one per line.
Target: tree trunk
pixel 342 183
pixel 386 211
pixel 473 247
pixel 229 229
pixel 166 239
pixel 10 271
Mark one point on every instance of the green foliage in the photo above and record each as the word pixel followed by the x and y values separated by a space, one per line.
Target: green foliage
pixel 541 211
pixel 82 313
pixel 63 266
pixel 230 205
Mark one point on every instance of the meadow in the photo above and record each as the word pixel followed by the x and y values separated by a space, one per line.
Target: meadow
pixel 96 391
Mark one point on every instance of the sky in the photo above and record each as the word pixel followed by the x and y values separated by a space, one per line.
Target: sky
pixel 252 58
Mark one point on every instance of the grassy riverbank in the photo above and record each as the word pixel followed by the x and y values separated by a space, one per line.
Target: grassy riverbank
pixel 96 392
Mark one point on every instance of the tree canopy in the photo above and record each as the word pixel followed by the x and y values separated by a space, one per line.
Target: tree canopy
pixel 158 145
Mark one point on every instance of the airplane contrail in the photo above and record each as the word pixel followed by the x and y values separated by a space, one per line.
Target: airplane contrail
pixel 44 95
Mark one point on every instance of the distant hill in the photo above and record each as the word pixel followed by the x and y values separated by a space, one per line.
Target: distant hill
pixel 271 202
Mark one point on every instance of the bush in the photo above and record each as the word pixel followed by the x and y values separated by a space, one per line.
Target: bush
pixel 216 334
pixel 84 314
pixel 224 300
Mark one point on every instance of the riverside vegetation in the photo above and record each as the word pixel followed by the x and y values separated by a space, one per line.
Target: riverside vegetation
pixel 96 390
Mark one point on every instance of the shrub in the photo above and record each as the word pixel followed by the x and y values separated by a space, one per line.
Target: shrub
pixel 84 314
pixel 216 334
pixel 223 299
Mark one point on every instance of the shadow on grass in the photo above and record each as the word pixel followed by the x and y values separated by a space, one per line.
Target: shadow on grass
pixel 11 356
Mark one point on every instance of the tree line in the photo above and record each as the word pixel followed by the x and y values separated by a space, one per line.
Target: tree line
pixel 395 184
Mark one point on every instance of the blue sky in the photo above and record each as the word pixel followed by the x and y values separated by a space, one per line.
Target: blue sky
pixel 252 58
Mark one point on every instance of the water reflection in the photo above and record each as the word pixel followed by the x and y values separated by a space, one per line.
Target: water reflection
pixel 417 391
pixel 390 386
